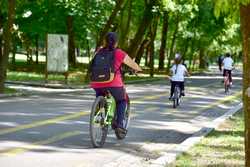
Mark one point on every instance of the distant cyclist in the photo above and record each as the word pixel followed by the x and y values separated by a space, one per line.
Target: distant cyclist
pixel 227 64
pixel 116 86
pixel 178 71
pixel 220 60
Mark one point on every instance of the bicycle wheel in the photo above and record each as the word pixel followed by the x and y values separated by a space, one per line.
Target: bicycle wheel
pixel 227 87
pixel 226 84
pixel 176 96
pixel 98 130
pixel 174 102
pixel 178 100
pixel 127 114
pixel 126 120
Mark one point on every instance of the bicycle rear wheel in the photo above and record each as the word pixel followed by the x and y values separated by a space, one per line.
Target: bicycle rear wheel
pixel 176 100
pixel 226 84
pixel 174 103
pixel 227 88
pixel 98 129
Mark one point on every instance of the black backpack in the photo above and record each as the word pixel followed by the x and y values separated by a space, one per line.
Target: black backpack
pixel 102 68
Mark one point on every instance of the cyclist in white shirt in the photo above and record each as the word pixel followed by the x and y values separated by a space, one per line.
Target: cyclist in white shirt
pixel 178 71
pixel 228 66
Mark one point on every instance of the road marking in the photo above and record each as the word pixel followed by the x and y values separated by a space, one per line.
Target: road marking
pixel 36 145
pixel 44 122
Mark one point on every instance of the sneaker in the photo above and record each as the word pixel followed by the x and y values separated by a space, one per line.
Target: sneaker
pixel 121 130
pixel 120 133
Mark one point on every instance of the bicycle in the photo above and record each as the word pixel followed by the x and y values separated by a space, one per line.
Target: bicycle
pixel 176 96
pixel 103 117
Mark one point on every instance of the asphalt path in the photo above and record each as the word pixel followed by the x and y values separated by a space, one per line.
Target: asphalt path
pixel 50 128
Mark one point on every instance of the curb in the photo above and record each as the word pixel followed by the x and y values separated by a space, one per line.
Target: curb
pixel 53 86
pixel 12 95
pixel 169 157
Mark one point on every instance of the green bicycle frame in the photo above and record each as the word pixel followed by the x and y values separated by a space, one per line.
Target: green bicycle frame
pixel 110 109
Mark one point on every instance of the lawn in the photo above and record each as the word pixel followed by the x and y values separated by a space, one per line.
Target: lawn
pixel 222 148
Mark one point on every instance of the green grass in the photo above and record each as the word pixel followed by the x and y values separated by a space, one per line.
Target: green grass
pixel 9 91
pixel 73 78
pixel 22 71
pixel 221 148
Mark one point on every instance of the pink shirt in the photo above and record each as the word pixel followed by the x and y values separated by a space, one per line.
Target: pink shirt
pixel 117 82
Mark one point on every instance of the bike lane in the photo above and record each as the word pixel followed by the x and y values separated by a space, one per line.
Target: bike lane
pixel 155 128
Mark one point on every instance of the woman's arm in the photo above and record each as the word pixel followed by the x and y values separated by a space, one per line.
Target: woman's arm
pixel 129 62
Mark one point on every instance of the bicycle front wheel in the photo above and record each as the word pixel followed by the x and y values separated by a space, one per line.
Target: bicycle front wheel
pixel 98 129
pixel 127 114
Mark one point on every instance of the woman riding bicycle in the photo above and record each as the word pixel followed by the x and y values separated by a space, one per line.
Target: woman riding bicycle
pixel 116 86
pixel 178 71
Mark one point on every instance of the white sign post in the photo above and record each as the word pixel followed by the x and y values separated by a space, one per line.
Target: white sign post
pixel 57 55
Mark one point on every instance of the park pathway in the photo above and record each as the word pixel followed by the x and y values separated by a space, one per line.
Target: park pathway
pixel 49 128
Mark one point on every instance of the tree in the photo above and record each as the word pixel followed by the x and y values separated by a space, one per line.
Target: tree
pixel 118 6
pixel 245 28
pixel 244 7
pixel 145 23
pixel 153 30
pixel 163 40
pixel 7 30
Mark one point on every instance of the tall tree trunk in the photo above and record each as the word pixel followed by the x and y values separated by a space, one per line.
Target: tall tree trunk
pixel 14 49
pixel 163 40
pixel 202 61
pixel 1 36
pixel 173 42
pixel 118 6
pixel 125 28
pixel 7 40
pixel 184 52
pixel 146 21
pixel 71 52
pixel 245 29
pixel 190 60
pixel 191 56
pixel 140 53
pixel 37 48
pixel 152 46
pixel 147 55
pixel 86 79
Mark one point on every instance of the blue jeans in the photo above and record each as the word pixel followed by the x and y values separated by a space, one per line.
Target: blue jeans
pixel 119 95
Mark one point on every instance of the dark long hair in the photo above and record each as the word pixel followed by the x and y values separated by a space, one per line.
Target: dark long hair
pixel 111 39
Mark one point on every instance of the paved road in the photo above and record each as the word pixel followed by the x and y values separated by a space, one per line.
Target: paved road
pixel 50 127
